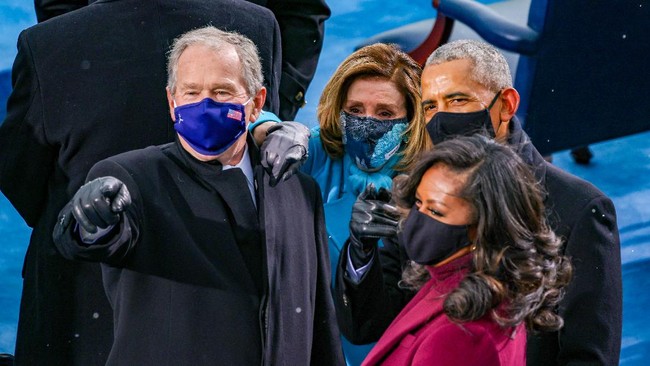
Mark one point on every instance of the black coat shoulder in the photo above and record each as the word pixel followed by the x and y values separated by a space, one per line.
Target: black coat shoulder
pixel 568 197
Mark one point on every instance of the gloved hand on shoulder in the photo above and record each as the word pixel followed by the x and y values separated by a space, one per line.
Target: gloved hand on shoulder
pixel 284 150
pixel 373 217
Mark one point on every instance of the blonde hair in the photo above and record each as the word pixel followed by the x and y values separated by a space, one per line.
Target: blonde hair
pixel 376 60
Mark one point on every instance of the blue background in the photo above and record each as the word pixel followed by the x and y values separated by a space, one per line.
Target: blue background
pixel 621 168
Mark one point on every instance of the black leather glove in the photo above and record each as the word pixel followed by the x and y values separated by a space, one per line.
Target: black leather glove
pixel 96 207
pixel 373 217
pixel 284 150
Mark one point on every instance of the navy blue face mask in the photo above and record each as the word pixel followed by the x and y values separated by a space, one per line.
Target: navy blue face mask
pixel 371 142
pixel 210 127
pixel 446 125
pixel 428 241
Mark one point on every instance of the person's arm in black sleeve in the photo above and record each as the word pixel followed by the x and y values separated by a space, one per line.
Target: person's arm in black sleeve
pixel 302 31
pixel 367 303
pixel 46 9
pixel 366 309
pixel 100 222
pixel 393 258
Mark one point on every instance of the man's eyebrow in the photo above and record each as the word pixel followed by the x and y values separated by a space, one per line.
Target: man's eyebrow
pixel 447 97
pixel 188 85
pixel 218 85
pixel 456 94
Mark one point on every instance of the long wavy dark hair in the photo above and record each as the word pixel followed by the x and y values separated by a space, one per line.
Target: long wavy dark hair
pixel 518 273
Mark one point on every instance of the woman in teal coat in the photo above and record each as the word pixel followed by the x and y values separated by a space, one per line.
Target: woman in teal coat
pixel 371 128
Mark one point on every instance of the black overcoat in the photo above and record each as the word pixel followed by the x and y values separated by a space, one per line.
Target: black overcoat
pixel 181 270
pixel 302 29
pixel 592 307
pixel 87 85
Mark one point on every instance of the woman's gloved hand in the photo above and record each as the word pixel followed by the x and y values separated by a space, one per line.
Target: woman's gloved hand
pixel 284 150
pixel 373 217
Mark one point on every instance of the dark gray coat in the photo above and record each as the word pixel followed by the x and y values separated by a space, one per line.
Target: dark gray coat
pixel 197 277
pixel 87 85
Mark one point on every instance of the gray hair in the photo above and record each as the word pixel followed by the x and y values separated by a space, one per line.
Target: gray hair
pixel 490 66
pixel 216 39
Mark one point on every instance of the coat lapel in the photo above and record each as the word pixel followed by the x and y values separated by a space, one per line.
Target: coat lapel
pixel 423 309
pixel 233 188
pixel 426 305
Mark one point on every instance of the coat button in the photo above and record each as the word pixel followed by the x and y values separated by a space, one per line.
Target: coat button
pixel 346 301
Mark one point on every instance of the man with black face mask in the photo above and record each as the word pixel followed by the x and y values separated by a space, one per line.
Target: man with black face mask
pixel 445 125
pixel 467 89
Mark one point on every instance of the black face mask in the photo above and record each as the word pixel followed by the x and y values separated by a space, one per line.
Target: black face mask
pixel 428 241
pixel 446 125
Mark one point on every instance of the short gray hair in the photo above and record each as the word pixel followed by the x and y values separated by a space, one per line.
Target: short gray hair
pixel 215 39
pixel 490 66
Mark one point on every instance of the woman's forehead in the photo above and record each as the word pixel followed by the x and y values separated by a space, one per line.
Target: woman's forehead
pixel 441 181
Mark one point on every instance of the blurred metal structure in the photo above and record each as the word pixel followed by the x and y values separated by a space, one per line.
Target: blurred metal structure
pixel 582 68
pixel 580 65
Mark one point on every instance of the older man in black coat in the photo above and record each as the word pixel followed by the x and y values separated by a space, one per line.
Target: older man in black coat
pixel 86 86
pixel 205 262
pixel 467 89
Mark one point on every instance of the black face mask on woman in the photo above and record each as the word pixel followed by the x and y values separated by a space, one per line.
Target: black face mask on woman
pixel 428 241
pixel 445 125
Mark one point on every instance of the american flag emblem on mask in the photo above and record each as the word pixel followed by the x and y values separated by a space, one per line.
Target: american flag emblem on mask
pixel 233 114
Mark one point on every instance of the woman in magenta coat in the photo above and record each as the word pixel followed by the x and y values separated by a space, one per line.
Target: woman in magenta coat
pixel 486 265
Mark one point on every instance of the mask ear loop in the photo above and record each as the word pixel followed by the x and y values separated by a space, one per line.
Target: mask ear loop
pixel 248 101
pixel 494 100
